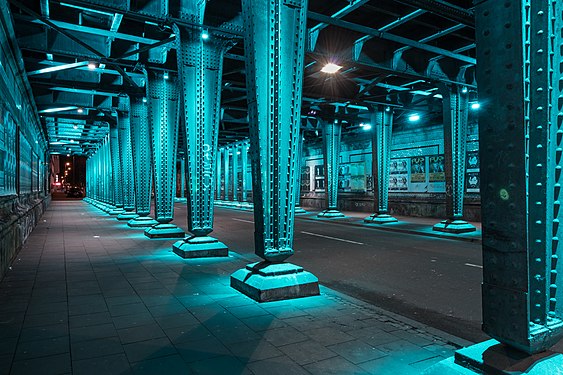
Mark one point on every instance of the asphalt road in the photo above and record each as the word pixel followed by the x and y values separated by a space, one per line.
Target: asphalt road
pixel 431 280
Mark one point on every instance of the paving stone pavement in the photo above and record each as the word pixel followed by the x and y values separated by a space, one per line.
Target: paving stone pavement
pixel 89 295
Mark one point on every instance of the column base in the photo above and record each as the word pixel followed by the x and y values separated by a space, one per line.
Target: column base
pixel 142 222
pixel 454 226
pixel 492 357
pixel 300 211
pixel 164 231
pixel 116 211
pixel 200 247
pixel 127 216
pixel 380 219
pixel 331 214
pixel 265 281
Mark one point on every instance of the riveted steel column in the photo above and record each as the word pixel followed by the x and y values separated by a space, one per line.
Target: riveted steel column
pixel 164 122
pixel 117 178
pixel 519 46
pixel 182 177
pixel 236 156
pixel 244 167
pixel 219 172
pixel 456 107
pixel 200 63
pixel 332 132
pixel 141 149
pixel 124 135
pixel 274 46
pixel 382 130
pixel 226 179
pixel 298 209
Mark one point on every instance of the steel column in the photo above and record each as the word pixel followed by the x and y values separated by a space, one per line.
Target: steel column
pixel 456 107
pixel 332 132
pixel 521 122
pixel 298 209
pixel 124 135
pixel 116 176
pixel 274 37
pixel 141 149
pixel 200 65
pixel 164 122
pixel 382 131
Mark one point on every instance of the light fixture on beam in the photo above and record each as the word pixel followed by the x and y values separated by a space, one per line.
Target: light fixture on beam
pixel 205 35
pixel 475 106
pixel 92 65
pixel 166 76
pixel 331 68
pixel 80 110
pixel 414 117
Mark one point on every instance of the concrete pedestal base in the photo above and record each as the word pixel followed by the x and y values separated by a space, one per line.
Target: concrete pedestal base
pixel 300 211
pixel 491 357
pixel 127 216
pixel 265 281
pixel 116 211
pixel 164 231
pixel 331 214
pixel 200 247
pixel 454 226
pixel 380 219
pixel 142 222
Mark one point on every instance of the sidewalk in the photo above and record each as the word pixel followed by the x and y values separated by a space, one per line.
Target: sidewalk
pixel 89 295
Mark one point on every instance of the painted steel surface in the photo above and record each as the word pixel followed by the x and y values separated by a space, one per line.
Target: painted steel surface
pixel 519 46
pixel 141 149
pixel 274 44
pixel 124 135
pixel 164 123
pixel 332 132
pixel 382 123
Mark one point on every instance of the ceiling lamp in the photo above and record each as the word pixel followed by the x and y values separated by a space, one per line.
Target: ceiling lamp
pixel 331 68
pixel 92 65
pixel 475 105
pixel 414 117
pixel 205 35
pixel 80 110
pixel 166 75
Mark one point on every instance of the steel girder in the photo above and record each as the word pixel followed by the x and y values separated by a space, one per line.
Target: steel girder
pixel 117 178
pixel 124 133
pixel 200 66
pixel 226 181
pixel 332 132
pixel 164 122
pixel 519 46
pixel 141 149
pixel 456 107
pixel 219 172
pixel 382 121
pixel 275 47
pixel 244 166
pixel 235 173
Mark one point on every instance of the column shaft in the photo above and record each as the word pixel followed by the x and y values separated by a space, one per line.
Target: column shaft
pixel 520 136
pixel 332 132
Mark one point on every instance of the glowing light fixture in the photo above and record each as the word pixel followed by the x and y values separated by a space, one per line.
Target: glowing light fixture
pixel 58 109
pixel 144 100
pixel 92 65
pixel 464 90
pixel 387 109
pixel 205 35
pixel 80 110
pixel 331 68
pixel 414 117
pixel 475 105
pixel 166 76
pixel 366 127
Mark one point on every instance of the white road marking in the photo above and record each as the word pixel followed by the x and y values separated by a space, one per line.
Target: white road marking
pixel 244 221
pixel 332 238
pixel 473 265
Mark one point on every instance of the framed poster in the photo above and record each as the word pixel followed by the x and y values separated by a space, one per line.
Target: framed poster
pixel 472 176
pixel 398 182
pixel 436 168
pixel 306 179
pixel 399 166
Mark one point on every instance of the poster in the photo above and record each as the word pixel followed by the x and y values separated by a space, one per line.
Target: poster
pixel 418 169
pixel 436 168
pixel 399 166
pixel 472 182
pixel 319 177
pixel 398 182
pixel 472 176
pixel 306 179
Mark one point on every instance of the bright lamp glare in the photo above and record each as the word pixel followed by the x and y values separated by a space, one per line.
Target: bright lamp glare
pixel 166 75
pixel 366 127
pixel 80 110
pixel 331 68
pixel 475 105
pixel 92 66
pixel 205 35
pixel 414 117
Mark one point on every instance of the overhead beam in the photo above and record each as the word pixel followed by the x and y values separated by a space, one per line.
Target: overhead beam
pixel 391 37
pixel 443 9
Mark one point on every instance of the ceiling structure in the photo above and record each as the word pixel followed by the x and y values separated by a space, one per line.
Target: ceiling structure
pixel 81 55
